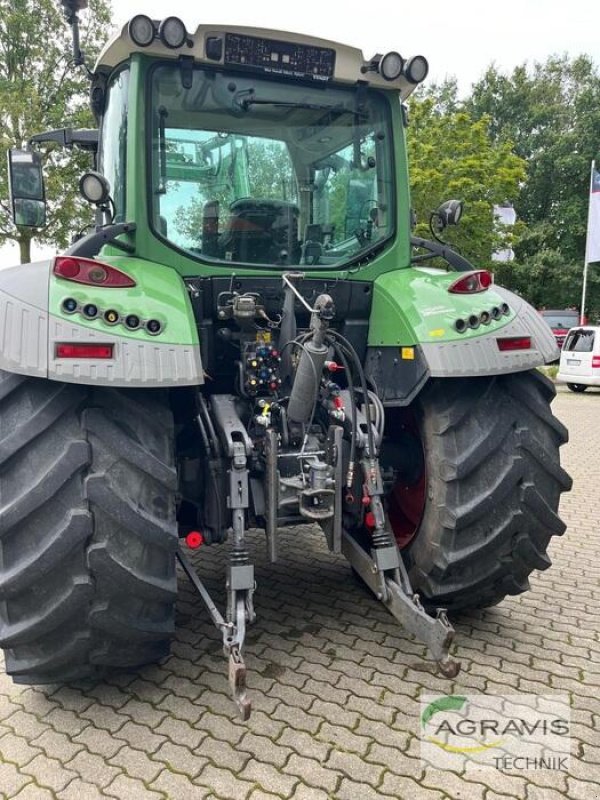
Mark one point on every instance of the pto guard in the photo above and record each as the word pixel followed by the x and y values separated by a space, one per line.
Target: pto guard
pixel 413 307
pixel 30 331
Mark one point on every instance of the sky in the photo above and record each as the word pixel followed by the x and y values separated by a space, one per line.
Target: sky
pixel 459 39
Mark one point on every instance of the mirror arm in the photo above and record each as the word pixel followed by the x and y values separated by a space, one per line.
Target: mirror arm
pixel 70 8
pixel 86 139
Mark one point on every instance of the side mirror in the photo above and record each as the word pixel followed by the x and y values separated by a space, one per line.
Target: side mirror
pixel 449 213
pixel 26 188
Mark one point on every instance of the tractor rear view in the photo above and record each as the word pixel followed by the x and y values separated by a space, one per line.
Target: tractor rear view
pixel 250 337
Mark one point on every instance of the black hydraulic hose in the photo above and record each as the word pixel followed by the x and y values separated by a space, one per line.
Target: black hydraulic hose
pixel 346 345
pixel 215 444
pixel 351 388
pixel 203 411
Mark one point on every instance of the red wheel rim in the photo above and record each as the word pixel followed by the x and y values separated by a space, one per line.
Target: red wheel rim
pixel 405 509
pixel 406 501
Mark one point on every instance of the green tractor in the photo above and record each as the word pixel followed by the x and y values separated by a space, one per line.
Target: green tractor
pixel 250 336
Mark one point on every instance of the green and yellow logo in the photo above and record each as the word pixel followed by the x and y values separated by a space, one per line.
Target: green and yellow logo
pixel 447 733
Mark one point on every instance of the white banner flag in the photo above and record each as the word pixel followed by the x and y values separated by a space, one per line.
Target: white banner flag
pixel 592 248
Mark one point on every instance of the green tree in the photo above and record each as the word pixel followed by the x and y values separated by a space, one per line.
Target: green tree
pixel 551 113
pixel 41 89
pixel 452 155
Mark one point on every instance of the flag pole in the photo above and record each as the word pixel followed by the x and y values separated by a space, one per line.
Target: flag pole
pixel 585 266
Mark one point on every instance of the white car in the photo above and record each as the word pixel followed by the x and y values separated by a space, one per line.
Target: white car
pixel 580 358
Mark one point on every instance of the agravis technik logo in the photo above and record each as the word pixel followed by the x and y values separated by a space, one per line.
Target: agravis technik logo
pixel 512 732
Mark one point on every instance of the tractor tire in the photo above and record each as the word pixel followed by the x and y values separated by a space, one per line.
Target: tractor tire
pixel 87 529
pixel 577 387
pixel 493 483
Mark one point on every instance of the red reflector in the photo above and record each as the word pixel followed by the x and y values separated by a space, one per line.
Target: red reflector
pixel 472 282
pixel 84 350
pixel 514 343
pixel 194 540
pixel 595 362
pixel 90 272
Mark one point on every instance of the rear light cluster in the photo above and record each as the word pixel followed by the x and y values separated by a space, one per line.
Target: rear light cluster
pixel 595 362
pixel 90 272
pixel 110 316
pixel 483 318
pixel 472 282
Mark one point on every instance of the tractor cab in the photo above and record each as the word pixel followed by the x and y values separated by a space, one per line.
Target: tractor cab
pixel 252 148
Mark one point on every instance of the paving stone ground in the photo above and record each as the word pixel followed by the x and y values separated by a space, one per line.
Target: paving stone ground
pixel 335 684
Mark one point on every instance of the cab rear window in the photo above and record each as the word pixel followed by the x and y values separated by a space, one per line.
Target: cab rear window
pixel 580 342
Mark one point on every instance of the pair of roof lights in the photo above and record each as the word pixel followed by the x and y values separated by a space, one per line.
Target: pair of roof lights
pixel 171 31
pixel 391 66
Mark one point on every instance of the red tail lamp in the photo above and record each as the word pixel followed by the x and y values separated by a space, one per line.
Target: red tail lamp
pixel 472 282
pixel 84 351
pixel 90 272
pixel 514 343
pixel 595 362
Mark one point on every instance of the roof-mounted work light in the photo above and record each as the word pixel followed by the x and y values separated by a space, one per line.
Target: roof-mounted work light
pixel 172 32
pixel 141 30
pixel 416 69
pixel 391 66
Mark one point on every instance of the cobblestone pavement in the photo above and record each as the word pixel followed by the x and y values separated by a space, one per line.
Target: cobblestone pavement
pixel 334 682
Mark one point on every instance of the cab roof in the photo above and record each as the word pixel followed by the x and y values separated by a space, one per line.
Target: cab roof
pixel 351 67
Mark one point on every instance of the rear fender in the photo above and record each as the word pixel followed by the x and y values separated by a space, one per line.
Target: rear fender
pixel 413 335
pixel 33 322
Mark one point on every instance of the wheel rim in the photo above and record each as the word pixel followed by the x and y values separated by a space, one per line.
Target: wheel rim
pixel 407 498
pixel 406 506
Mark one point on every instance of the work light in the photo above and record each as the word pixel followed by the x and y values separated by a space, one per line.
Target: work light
pixel 172 32
pixel 391 66
pixel 94 187
pixel 141 30
pixel 416 69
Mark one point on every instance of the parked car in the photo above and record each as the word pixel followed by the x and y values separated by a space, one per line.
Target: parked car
pixel 560 321
pixel 580 358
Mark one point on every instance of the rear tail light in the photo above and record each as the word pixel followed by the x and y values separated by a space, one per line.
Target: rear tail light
pixel 514 343
pixel 472 282
pixel 90 272
pixel 595 362
pixel 84 351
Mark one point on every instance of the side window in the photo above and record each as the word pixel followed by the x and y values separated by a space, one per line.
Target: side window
pixel 113 141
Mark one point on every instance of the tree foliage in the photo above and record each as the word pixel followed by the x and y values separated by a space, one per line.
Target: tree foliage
pixel 40 89
pixel 452 155
pixel 550 112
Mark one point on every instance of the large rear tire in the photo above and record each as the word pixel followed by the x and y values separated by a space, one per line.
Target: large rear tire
pixel 87 529
pixel 493 484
